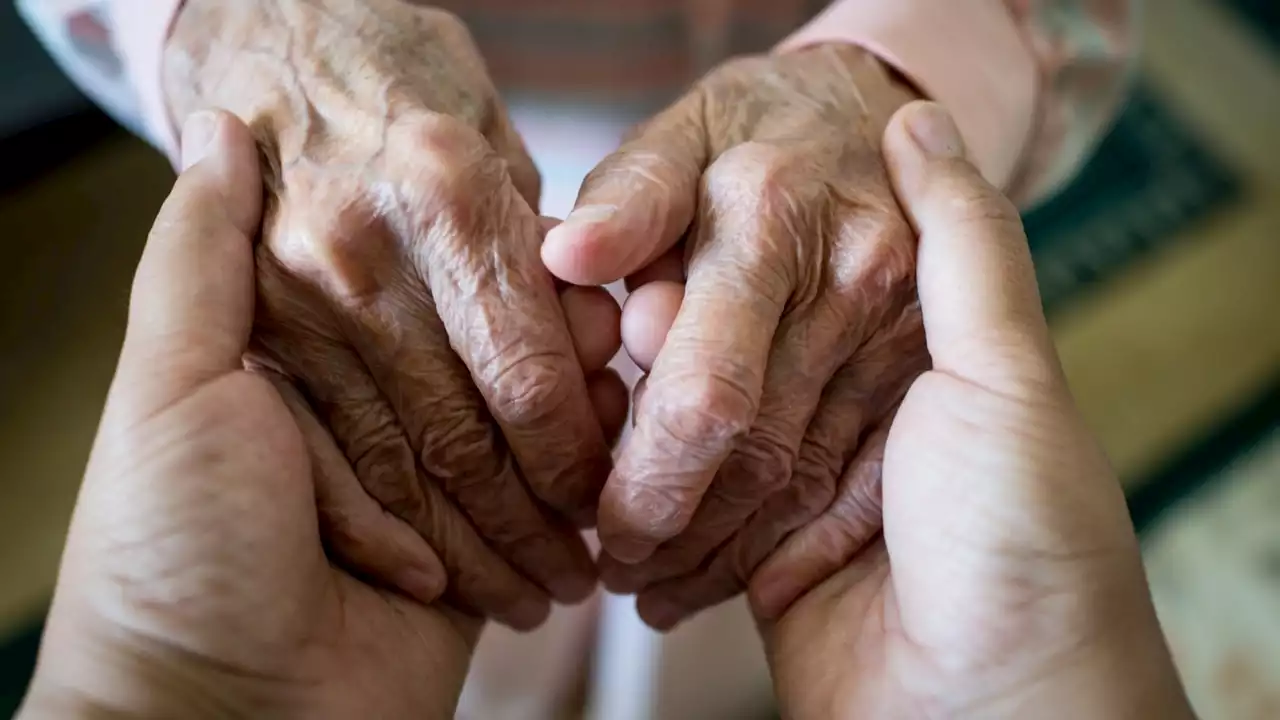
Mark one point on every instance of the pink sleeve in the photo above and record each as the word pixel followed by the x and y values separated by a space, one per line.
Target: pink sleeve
pixel 1031 83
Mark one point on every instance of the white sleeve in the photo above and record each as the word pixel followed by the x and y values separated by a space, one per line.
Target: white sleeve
pixel 79 35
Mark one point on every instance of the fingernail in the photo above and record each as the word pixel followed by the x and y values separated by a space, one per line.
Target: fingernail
pixel 934 131
pixel 629 550
pixel 423 584
pixel 659 614
pixel 198 134
pixel 768 598
pixel 590 215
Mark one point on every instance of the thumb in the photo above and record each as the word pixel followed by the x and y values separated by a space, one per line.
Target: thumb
pixel 982 313
pixel 636 203
pixel 191 307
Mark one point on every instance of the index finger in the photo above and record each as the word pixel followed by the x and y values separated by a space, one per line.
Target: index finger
pixel 504 320
pixel 704 392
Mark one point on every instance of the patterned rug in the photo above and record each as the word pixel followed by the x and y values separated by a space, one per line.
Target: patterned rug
pixel 1148 178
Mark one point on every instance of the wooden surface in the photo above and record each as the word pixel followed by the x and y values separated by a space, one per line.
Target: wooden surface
pixel 1155 356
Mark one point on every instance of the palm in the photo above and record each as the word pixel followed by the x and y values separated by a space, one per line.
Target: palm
pixel 289 625
pixel 944 606
pixel 365 652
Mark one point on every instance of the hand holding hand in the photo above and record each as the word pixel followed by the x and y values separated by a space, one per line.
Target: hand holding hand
pixel 1008 582
pixel 774 309
pixel 194 581
pixel 400 285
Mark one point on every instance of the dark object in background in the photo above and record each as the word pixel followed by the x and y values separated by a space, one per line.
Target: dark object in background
pixel 44 119
pixel 33 90
pixel 1262 15
pixel 43 147
pixel 17 660
pixel 1148 178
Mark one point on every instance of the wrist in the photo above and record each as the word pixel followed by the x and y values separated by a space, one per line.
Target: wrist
pixel 90 667
pixel 233 56
pixel 1119 669
pixel 43 702
pixel 299 72
pixel 969 57
pixel 90 670
pixel 876 87
pixel 1127 691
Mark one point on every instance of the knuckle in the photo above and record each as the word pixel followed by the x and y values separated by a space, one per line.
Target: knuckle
pixel 766 197
pixel 878 252
pixel 658 510
pixel 817 468
pixel 712 412
pixel 456 447
pixel 752 171
pixel 857 509
pixel 814 497
pixel 339 247
pixel 871 279
pixel 385 468
pixel 452 161
pixel 528 390
pixel 380 457
pixel 897 249
pixel 765 461
pixel 832 544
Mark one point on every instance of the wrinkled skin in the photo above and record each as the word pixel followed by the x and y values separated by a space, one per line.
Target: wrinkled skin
pixel 758 205
pixel 401 289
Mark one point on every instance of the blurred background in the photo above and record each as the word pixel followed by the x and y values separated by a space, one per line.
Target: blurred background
pixel 1160 268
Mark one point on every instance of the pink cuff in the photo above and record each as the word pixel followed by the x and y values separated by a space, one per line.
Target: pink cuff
pixel 141 29
pixel 967 55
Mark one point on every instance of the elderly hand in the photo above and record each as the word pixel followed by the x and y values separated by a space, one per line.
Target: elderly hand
pixel 795 331
pixel 194 582
pixel 400 284
pixel 1008 582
